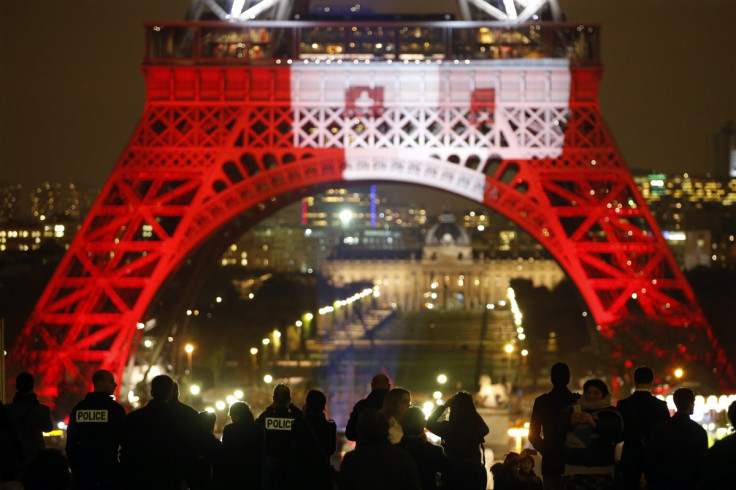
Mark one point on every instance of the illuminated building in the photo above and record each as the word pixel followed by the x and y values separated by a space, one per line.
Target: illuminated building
pixel 445 273
pixel 697 214
pixel 25 237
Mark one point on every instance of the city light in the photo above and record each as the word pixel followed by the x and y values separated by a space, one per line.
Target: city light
pixel 194 390
pixel 442 379
pixel 189 348
pixel 238 394
pixel 509 348
pixel 268 378
pixel 427 408
pixel 254 350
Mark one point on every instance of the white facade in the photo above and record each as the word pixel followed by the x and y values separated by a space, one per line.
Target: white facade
pixel 446 277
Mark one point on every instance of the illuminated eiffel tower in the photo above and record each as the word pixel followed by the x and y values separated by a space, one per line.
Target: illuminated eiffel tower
pixel 270 101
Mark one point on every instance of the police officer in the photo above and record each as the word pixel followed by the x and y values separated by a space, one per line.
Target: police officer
pixel 277 421
pixel 93 436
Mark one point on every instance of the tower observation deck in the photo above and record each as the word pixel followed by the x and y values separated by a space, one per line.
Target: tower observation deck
pixel 244 115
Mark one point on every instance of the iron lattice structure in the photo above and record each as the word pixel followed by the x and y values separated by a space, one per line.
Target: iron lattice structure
pixel 242 117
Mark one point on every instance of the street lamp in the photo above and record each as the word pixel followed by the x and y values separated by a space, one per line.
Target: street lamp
pixel 509 348
pixel 189 348
pixel 679 373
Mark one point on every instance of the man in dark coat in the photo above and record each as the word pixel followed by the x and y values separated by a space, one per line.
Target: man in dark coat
pixel 93 436
pixel 277 421
pixel 151 455
pixel 549 423
pixel 241 465
pixel 380 386
pixel 188 424
pixel 315 441
pixel 641 412
pixel 11 448
pixel 718 472
pixel 31 417
pixel 676 447
pixel 376 464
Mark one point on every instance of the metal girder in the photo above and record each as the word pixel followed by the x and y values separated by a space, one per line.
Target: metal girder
pixel 513 11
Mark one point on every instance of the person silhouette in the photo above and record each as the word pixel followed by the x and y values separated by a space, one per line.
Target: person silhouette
pixel 641 412
pixel 548 425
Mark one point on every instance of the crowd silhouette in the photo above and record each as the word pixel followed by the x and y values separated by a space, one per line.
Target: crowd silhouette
pixel 168 445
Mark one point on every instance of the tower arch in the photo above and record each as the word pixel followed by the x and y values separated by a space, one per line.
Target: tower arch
pixel 247 117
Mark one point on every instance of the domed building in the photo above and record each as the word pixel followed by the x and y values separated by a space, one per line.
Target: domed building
pixel 444 274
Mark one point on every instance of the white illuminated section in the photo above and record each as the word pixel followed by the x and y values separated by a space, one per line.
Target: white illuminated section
pixel 674 236
pixel 732 163
pixel 510 9
pixel 257 9
pixel 400 97
pixel 237 8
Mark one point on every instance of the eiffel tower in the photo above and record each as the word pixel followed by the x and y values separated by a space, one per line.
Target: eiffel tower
pixel 253 104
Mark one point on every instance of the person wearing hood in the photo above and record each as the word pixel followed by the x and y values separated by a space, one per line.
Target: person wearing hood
pixel 31 417
pixel 595 427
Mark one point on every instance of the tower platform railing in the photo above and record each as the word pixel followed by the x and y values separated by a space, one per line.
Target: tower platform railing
pixel 277 42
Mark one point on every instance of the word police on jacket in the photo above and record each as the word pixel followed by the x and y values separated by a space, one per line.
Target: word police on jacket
pixel 91 416
pixel 275 423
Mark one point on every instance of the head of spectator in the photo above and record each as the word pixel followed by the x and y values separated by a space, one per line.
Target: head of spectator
pixel 372 427
pixel 162 387
pixel 560 375
pixel 684 399
pixel 526 462
pixel 413 422
pixel 396 402
pixel 511 459
pixel 281 396
pixel 104 382
pixel 316 401
pixel 241 411
pixel 643 377
pixel 732 413
pixel 595 390
pixel 380 382
pixel 208 420
pixel 462 407
pixel 24 383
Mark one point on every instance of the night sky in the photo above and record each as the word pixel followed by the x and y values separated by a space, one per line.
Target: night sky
pixel 72 90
